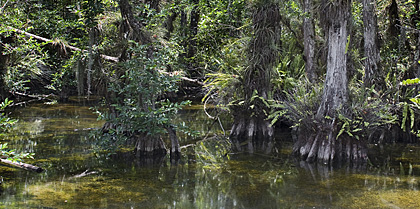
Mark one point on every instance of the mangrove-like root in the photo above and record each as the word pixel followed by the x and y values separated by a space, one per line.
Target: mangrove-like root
pixel 252 135
pixel 324 146
pixel 150 146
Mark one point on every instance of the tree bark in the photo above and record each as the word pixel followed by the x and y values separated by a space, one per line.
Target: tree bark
pixel 309 42
pixel 169 24
pixel 90 61
pixel 251 131
pixel 336 83
pixel 371 47
pixel 322 141
pixel 3 65
pixel 149 146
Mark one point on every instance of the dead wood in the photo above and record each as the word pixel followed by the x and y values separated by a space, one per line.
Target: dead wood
pixel 22 165
pixel 106 57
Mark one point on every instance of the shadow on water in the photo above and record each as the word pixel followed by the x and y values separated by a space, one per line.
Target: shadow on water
pixel 76 178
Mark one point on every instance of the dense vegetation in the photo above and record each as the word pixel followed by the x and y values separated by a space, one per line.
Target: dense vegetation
pixel 342 74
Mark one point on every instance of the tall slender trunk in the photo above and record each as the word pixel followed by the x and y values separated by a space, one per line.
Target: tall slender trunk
pixel 193 30
pixel 394 31
pixel 192 41
pixel 309 42
pixel 4 59
pixel 371 47
pixel 3 65
pixel 90 61
pixel 169 24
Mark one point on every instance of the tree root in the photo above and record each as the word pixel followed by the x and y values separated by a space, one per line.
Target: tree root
pixel 252 135
pixel 325 147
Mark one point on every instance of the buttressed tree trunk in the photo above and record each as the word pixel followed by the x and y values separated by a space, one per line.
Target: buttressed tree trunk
pixel 371 46
pixel 251 131
pixel 321 142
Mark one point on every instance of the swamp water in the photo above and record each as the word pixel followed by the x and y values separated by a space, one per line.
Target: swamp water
pixel 76 178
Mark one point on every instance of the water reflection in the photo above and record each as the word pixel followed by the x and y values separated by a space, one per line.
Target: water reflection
pixel 76 178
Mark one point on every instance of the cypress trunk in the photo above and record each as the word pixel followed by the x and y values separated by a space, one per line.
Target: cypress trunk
pixel 251 131
pixel 322 141
pixel 193 30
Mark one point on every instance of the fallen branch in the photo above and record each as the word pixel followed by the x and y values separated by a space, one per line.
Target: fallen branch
pixel 22 165
pixel 32 98
pixel 39 97
pixel 23 103
pixel 85 173
pixel 106 57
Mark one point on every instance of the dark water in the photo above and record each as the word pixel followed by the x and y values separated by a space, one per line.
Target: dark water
pixel 76 178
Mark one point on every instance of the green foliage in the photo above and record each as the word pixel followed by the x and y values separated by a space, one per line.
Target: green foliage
pixel 25 60
pixel 409 110
pixel 141 107
pixel 5 122
pixel 12 155
pixel 299 105
pixel 222 86
pixel 91 10
pixel 288 72
pixel 413 81
pixel 366 113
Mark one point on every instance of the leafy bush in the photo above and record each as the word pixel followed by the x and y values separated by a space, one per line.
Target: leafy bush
pixel 140 106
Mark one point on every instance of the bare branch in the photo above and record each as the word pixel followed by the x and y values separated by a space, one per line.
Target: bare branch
pixel 106 57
